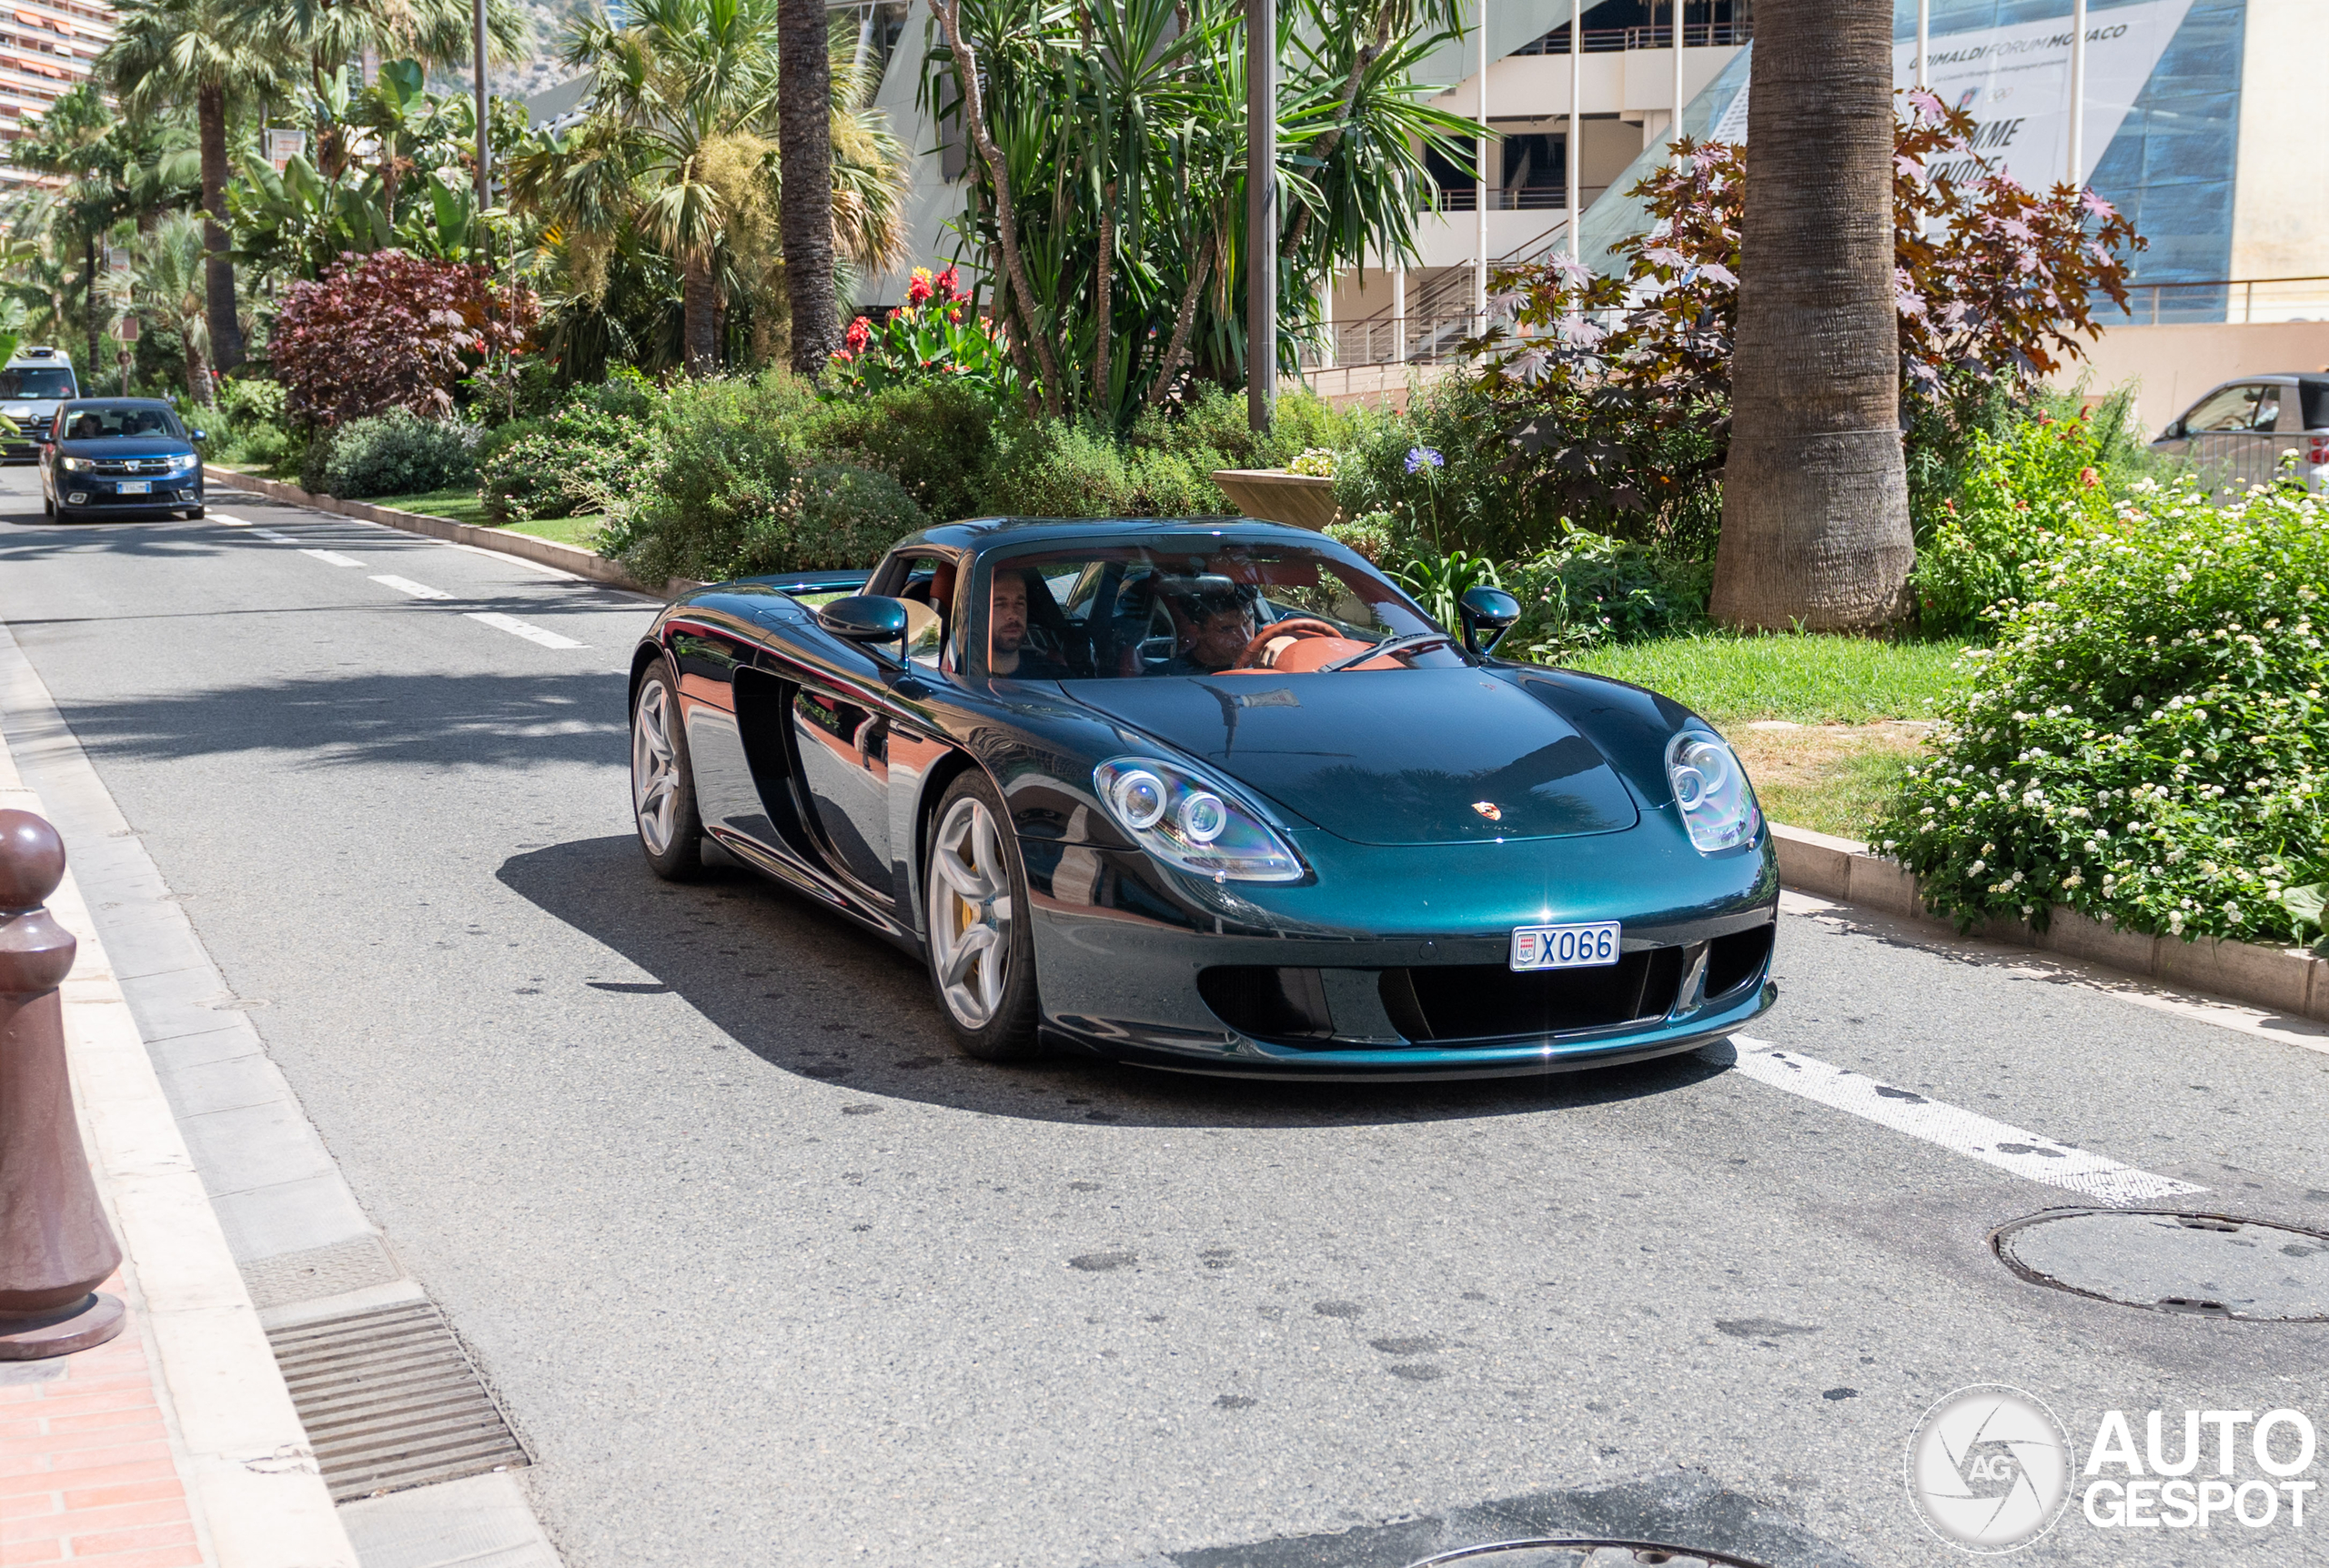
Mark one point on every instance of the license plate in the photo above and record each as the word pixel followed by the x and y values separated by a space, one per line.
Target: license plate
pixel 1565 947
pixel 134 488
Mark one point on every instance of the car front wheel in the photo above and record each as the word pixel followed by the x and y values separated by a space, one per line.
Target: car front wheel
pixel 982 952
pixel 662 785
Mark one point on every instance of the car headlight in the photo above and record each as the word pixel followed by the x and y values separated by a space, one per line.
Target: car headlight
pixel 1716 802
pixel 78 465
pixel 1196 823
pixel 184 464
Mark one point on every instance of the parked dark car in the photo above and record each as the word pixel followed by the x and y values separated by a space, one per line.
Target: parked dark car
pixel 113 456
pixel 1215 796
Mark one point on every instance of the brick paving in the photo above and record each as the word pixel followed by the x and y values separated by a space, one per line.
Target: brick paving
pixel 86 1474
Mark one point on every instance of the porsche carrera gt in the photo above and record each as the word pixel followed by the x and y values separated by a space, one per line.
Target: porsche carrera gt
pixel 1215 796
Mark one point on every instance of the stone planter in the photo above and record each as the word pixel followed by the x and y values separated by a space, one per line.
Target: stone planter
pixel 1304 500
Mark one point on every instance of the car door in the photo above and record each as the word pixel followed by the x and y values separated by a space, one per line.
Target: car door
pixel 861 748
pixel 2221 433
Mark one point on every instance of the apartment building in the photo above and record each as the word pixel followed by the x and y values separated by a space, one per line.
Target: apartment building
pixel 47 48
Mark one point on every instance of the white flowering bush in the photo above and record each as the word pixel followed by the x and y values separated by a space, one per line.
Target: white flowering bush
pixel 2148 742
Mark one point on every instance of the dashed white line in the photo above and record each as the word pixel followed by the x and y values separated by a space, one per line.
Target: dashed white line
pixel 1965 1133
pixel 406 586
pixel 333 558
pixel 230 522
pixel 269 533
pixel 515 628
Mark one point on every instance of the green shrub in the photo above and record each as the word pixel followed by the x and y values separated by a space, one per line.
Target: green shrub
pixel 397 453
pixel 1369 535
pixel 2149 741
pixel 1047 468
pixel 936 438
pixel 728 448
pixel 2023 494
pixel 581 458
pixel 1435 471
pixel 831 515
pixel 1590 590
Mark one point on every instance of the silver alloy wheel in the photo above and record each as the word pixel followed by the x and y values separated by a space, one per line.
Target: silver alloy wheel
pixel 969 898
pixel 654 768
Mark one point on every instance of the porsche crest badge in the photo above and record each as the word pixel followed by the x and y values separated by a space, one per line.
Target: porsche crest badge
pixel 1488 808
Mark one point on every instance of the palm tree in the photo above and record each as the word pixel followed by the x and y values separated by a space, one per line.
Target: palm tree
pixel 167 286
pixel 680 150
pixel 804 146
pixel 1815 500
pixel 326 34
pixel 168 52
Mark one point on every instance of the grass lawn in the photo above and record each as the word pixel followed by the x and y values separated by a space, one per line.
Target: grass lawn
pixel 1825 725
pixel 462 505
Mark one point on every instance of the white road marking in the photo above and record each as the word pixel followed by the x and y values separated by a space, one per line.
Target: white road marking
pixel 230 522
pixel 269 533
pixel 1965 1133
pixel 417 591
pixel 515 628
pixel 333 558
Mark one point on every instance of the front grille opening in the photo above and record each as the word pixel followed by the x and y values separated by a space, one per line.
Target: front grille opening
pixel 1736 959
pixel 1489 1001
pixel 1268 1003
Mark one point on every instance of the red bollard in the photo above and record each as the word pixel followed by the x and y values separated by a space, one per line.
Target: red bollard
pixel 55 1247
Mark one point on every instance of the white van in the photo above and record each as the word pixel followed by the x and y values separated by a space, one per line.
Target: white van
pixel 32 383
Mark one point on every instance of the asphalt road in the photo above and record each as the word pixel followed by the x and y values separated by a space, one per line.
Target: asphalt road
pixel 765 1273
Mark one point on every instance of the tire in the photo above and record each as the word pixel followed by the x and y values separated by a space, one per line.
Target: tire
pixel 973 880
pixel 194 514
pixel 662 782
pixel 46 505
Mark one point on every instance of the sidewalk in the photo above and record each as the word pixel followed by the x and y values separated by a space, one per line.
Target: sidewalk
pixel 174 1445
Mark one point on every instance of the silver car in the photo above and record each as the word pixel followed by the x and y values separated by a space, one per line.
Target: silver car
pixel 34 381
pixel 2239 433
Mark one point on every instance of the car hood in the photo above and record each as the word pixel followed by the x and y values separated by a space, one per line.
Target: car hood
pixel 1385 756
pixel 127 447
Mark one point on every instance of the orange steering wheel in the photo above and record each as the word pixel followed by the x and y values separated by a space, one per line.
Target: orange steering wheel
pixel 1298 626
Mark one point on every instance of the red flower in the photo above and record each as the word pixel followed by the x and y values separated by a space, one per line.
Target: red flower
pixel 950 287
pixel 918 288
pixel 2089 478
pixel 861 333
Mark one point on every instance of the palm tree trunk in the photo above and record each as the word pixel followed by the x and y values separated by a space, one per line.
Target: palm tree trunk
pixel 1815 501
pixel 805 206
pixel 1162 387
pixel 198 370
pixel 1104 315
pixel 90 298
pixel 218 268
pixel 699 330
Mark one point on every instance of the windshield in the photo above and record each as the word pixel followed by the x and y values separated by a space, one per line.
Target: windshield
pixel 1204 607
pixel 37 381
pixel 99 421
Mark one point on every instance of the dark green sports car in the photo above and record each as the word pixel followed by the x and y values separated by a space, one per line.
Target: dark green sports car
pixel 1214 795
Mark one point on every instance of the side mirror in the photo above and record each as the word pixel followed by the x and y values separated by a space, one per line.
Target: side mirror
pixel 202 435
pixel 2175 431
pixel 864 618
pixel 1490 610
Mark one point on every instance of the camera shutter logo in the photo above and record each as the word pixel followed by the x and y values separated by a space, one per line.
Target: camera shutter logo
pixel 1989 1468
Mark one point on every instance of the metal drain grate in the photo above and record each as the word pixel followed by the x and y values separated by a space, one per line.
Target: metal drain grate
pixel 391 1401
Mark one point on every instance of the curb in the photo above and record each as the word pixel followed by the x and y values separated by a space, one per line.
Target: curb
pixel 249 1472
pixel 566 558
pixel 2285 979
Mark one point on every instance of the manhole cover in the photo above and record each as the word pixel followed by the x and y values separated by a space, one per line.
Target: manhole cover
pixel 2209 1265
pixel 1580 1552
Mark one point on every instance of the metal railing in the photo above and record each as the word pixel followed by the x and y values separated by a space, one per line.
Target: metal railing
pixel 1612 40
pixel 1502 198
pixel 2236 301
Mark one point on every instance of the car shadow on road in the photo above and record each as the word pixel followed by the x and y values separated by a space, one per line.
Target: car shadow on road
pixel 39 537
pixel 809 993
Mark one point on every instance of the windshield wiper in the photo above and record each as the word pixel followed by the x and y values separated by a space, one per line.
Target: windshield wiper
pixel 1413 642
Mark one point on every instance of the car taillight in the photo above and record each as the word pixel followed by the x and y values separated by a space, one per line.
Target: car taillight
pixel 2319 455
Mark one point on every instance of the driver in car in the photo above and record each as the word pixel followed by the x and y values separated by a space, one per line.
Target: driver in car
pixel 1008 653
pixel 1221 625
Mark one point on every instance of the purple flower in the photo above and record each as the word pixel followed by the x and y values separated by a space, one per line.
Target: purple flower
pixel 1422 458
